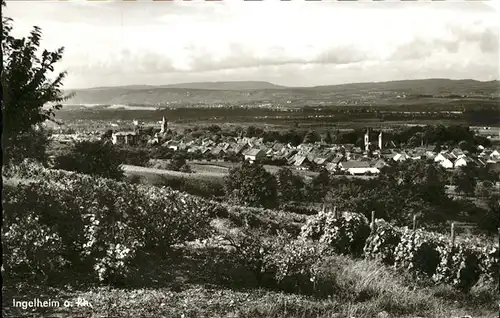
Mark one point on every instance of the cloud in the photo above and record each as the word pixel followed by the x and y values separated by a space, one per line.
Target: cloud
pixel 141 41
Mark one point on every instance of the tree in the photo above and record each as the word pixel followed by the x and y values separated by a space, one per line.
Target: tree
pixel 319 186
pixel 464 180
pixel 30 97
pixel 311 137
pixel 178 162
pixel 491 220
pixel 253 131
pixel 290 186
pixel 31 144
pixel 250 184
pixel 92 157
pixel 107 135
pixel 328 138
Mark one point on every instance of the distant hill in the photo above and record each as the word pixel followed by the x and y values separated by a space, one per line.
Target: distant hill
pixel 434 86
pixel 223 86
pixel 254 92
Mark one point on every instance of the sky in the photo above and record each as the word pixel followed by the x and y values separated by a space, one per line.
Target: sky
pixel 293 43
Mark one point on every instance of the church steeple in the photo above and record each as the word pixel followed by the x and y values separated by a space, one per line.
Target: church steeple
pixel 367 140
pixel 163 125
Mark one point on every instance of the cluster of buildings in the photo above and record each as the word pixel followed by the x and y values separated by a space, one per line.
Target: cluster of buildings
pixel 133 137
pixel 345 158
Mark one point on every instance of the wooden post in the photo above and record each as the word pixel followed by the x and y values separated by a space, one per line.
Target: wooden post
pixel 373 222
pixel 335 211
pixel 414 222
pixel 453 234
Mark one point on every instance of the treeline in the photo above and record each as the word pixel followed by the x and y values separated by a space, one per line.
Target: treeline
pixel 473 112
pixel 397 195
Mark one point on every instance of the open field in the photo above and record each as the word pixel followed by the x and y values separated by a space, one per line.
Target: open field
pixel 210 171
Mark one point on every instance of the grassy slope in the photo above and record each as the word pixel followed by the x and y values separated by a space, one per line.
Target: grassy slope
pixel 364 289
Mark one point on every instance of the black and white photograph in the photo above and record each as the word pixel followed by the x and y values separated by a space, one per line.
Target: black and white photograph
pixel 232 158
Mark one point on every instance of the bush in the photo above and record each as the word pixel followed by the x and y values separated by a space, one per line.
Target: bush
pixel 98 224
pixel 31 144
pixel 418 251
pixel 204 188
pixel 292 263
pixel 250 184
pixel 489 264
pixel 31 249
pixel 92 157
pixel 271 221
pixel 458 266
pixel 178 162
pixel 382 242
pixel 134 156
pixel 345 234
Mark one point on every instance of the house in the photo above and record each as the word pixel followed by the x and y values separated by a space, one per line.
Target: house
pixel 358 171
pixel 125 138
pixel 301 162
pixel 331 166
pixel 204 150
pixel 445 160
pixel 239 148
pixel 217 151
pixel 379 164
pixel 320 160
pixel 457 152
pixel 174 145
pixel 346 165
pixel 255 154
pixel 495 155
pixel 430 155
pixel 466 161
pixel 398 157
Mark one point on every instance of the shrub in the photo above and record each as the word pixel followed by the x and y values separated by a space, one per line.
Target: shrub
pixel 295 207
pixel 418 252
pixel 92 157
pixel 489 263
pixel 291 262
pixel 382 242
pixel 31 249
pixel 271 221
pixel 345 234
pixel 98 224
pixel 459 266
pixel 251 185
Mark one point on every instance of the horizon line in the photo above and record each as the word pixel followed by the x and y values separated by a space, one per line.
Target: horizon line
pixel 283 86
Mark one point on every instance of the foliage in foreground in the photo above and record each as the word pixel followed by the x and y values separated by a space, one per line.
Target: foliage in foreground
pixel 424 253
pixel 27 92
pixel 93 226
pixel 97 226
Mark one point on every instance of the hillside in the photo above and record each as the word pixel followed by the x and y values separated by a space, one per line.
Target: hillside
pixel 210 93
pixel 202 258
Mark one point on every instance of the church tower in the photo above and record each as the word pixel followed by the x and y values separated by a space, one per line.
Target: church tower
pixel 380 144
pixel 163 125
pixel 367 140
